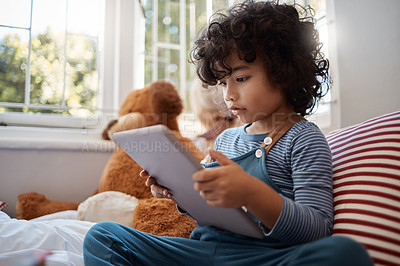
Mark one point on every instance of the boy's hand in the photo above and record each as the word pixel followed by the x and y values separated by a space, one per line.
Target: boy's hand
pixel 226 186
pixel 157 190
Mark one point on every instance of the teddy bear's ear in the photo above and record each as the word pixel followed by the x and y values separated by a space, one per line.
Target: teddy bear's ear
pixel 165 99
pixel 127 122
pixel 134 102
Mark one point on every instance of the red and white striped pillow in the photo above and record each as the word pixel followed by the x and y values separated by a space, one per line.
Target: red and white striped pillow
pixel 366 185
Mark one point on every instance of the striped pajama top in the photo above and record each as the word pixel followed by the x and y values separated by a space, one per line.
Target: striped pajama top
pixel 300 164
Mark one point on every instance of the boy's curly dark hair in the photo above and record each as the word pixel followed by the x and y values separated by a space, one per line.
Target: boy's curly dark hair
pixel 288 46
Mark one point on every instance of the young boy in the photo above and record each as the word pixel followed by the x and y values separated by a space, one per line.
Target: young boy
pixel 269 64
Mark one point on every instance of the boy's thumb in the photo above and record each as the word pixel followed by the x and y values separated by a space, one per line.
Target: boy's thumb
pixel 219 157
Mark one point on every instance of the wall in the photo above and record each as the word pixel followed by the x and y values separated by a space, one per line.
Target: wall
pixel 47 162
pixel 366 59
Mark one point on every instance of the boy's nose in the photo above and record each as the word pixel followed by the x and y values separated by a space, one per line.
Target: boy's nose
pixel 230 94
pixel 230 98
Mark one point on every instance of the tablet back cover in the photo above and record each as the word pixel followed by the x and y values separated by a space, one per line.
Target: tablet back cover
pixel 165 158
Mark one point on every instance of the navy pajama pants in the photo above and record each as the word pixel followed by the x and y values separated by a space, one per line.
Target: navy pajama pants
pixel 110 243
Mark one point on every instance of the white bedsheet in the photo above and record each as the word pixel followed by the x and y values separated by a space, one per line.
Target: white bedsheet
pixel 59 233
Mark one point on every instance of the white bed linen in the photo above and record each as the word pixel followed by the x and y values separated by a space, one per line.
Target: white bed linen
pixel 59 233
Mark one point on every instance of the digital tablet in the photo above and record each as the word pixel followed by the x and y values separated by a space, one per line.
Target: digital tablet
pixel 164 157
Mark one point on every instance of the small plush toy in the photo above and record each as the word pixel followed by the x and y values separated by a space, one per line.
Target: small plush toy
pixel 130 202
pixel 211 111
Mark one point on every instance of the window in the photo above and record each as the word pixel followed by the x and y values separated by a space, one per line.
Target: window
pixel 68 63
pixel 171 28
pixel 322 116
pixel 49 56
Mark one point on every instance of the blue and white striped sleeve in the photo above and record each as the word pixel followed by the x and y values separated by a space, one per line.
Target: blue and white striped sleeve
pixel 309 216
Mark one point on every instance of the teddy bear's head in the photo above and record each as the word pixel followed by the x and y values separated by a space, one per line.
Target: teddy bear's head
pixel 157 103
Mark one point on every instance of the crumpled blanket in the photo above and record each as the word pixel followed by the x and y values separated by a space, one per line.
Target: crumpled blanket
pixel 56 238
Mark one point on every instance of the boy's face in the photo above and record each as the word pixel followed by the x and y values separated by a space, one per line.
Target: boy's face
pixel 251 96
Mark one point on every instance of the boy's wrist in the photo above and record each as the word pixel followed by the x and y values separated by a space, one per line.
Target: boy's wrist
pixel 269 213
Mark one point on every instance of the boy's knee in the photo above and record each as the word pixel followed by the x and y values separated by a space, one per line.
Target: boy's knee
pixel 100 228
pixel 98 233
pixel 97 244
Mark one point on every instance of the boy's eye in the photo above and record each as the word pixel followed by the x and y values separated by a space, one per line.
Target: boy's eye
pixel 241 79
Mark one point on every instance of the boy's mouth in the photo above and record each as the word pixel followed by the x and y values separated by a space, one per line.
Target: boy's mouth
pixel 236 110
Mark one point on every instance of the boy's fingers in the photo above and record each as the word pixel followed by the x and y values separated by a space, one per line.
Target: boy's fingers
pixel 220 157
pixel 167 194
pixel 143 173
pixel 150 181
pixel 204 175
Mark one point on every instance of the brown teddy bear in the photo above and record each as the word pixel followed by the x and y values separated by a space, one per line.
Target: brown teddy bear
pixel 156 103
